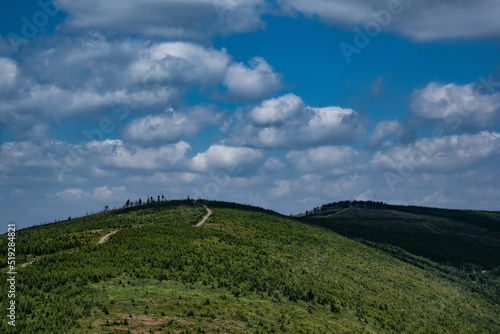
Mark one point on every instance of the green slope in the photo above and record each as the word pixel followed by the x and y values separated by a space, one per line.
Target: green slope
pixel 245 270
pixel 436 237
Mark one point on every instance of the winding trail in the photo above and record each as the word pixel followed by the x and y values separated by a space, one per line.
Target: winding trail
pixel 209 212
pixel 336 213
pixel 106 237
pixel 28 263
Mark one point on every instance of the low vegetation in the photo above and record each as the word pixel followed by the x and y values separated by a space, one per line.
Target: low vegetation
pixel 244 270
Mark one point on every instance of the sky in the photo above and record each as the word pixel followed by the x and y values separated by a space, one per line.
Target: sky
pixel 284 104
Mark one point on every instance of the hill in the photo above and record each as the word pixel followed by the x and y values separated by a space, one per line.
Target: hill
pixel 457 237
pixel 245 270
pixel 464 244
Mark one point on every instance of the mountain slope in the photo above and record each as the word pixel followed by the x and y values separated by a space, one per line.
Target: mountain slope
pixel 244 270
pixel 436 237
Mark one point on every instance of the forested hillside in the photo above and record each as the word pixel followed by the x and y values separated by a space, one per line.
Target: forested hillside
pixel 245 270
pixel 462 245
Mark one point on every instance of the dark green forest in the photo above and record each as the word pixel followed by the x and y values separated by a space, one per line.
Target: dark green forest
pixel 246 270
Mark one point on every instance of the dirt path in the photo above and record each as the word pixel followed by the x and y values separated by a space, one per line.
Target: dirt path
pixel 209 212
pixel 27 263
pixel 336 213
pixel 106 237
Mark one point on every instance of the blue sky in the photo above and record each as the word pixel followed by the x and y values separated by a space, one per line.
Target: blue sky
pixel 281 104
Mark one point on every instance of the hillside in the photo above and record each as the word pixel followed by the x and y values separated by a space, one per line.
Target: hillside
pixel 244 270
pixel 461 238
pixel 463 244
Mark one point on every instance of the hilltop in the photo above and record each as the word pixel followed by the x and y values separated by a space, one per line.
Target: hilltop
pixel 244 270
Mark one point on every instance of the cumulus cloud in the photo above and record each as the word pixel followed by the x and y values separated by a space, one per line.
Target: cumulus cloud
pixel 93 75
pixel 192 64
pixel 112 64
pixel 19 157
pixel 60 90
pixel 286 122
pixel 277 110
pixel 385 130
pixel 326 159
pixel 50 100
pixel 236 160
pixel 316 189
pixel 273 163
pixel 441 155
pixel 187 19
pixel 106 193
pixel 172 125
pixel 56 161
pixel 420 20
pixel 456 107
pixel 183 63
pixel 8 73
pixel 115 153
pixel 99 194
pixel 251 83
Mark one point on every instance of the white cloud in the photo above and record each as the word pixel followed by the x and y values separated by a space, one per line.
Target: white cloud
pixel 168 179
pixel 106 193
pixel 187 19
pixel 335 122
pixel 282 188
pixel 453 107
pixel 49 161
pixel 93 75
pixel 50 100
pixel 441 155
pixel 130 64
pixel 172 125
pixel 286 122
pixel 8 73
pixel 273 163
pixel 326 159
pixel 187 63
pixel 14 155
pixel 181 62
pixel 420 20
pixel 251 83
pixel 99 194
pixel 277 110
pixel 385 130
pixel 236 160
pixel 70 194
pixel 116 153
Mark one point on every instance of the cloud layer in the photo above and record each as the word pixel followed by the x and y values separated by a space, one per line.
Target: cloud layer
pixel 187 19
pixel 420 20
pixel 100 76
pixel 442 154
